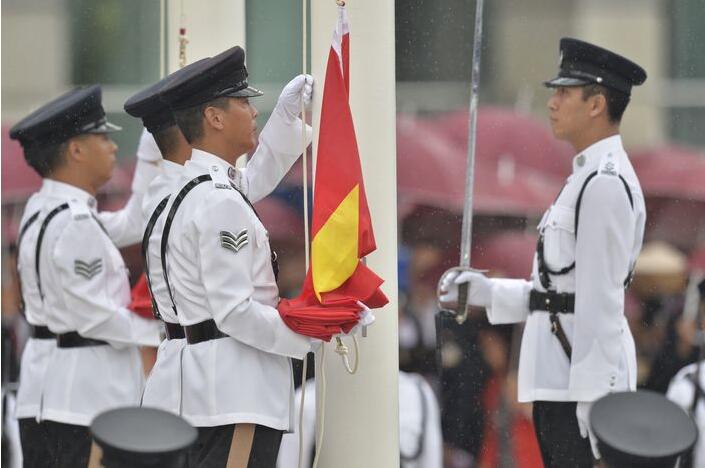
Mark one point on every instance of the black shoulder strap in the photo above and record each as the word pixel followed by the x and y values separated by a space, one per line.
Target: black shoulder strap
pixel 582 191
pixel 145 246
pixel 20 236
pixel 40 238
pixel 24 228
pixel 167 228
pixel 580 200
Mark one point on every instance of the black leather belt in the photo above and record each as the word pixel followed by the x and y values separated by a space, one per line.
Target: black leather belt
pixel 41 332
pixel 174 331
pixel 557 303
pixel 203 331
pixel 74 340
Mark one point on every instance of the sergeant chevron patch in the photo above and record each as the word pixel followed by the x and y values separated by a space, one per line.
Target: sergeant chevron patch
pixel 88 269
pixel 233 242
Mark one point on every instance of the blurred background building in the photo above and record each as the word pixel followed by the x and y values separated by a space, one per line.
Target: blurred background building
pixel 49 46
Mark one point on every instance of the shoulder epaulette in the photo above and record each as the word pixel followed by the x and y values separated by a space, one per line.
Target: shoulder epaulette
pixel 219 177
pixel 609 164
pixel 79 210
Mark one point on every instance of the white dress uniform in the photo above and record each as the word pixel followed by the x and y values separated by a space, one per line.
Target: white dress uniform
pixel 85 286
pixel 420 439
pixel 605 248
pixel 219 267
pixel 681 391
pixel 261 175
pixel 124 228
pixel 37 350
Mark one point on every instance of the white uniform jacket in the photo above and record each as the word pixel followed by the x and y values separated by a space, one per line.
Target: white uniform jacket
pixel 681 391
pixel 163 386
pixel 219 267
pixel 86 290
pixel 608 241
pixel 420 439
pixel 36 351
pixel 263 172
pixel 123 226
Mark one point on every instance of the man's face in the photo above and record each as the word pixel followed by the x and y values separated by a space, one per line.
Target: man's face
pixel 569 114
pixel 240 125
pixel 98 156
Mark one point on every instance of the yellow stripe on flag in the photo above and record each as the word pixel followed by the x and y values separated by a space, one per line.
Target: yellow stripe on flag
pixel 335 246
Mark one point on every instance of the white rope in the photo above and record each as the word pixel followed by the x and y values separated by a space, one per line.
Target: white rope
pixel 301 412
pixel 321 419
pixel 343 351
pixel 303 133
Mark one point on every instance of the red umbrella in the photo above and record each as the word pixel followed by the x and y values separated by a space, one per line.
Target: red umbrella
pixel 671 172
pixel 508 254
pixel 505 132
pixel 431 171
pixel 697 259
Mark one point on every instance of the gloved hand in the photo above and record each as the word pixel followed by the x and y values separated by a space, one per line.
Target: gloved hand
pixel 148 159
pixel 479 291
pixel 367 318
pixel 289 102
pixel 582 411
pixel 147 149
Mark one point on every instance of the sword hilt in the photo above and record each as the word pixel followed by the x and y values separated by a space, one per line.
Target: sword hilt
pixel 461 310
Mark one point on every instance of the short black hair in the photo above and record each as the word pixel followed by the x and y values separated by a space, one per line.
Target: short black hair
pixel 45 159
pixel 167 140
pixel 190 120
pixel 616 100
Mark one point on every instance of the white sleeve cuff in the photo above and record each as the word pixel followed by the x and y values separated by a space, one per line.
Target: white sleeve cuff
pixel 510 301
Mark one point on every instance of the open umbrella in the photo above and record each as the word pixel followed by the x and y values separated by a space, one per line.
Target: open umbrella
pixel 431 171
pixel 671 172
pixel 527 140
pixel 508 254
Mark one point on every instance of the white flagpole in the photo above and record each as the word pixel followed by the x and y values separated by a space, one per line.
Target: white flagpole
pixel 362 411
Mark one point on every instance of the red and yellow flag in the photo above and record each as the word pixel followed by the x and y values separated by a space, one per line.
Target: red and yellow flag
pixel 342 228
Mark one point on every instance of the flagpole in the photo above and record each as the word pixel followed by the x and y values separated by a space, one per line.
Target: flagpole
pixel 361 411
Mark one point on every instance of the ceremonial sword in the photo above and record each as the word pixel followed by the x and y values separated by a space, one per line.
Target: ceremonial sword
pixel 460 310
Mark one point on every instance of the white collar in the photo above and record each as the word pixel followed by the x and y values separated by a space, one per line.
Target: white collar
pixel 54 188
pixel 589 158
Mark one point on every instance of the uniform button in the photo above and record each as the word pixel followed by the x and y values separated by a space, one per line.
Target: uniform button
pixel 548 301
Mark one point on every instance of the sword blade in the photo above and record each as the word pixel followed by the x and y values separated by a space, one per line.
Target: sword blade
pixel 466 233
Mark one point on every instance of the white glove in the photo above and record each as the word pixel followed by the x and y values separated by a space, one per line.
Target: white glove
pixel 367 318
pixel 479 292
pixel 582 411
pixel 147 149
pixel 289 102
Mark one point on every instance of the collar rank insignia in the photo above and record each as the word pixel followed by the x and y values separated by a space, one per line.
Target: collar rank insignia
pixel 88 269
pixel 233 242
